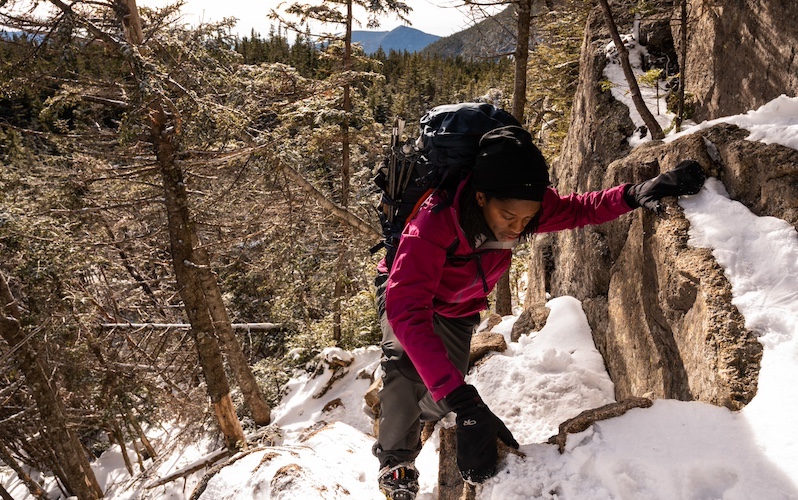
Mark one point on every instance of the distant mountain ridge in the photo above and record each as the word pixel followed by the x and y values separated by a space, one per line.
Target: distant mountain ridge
pixel 402 38
pixel 491 37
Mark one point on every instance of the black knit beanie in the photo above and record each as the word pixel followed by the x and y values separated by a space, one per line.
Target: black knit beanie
pixel 508 165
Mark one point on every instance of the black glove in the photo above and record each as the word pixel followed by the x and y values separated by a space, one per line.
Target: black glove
pixel 477 430
pixel 686 178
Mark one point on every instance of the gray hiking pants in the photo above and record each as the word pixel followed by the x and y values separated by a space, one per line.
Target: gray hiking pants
pixel 404 399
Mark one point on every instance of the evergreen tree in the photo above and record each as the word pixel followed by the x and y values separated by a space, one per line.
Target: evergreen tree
pixel 328 13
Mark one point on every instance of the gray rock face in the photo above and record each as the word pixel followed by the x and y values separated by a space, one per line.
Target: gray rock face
pixel 660 310
pixel 670 329
pixel 764 177
pixel 741 54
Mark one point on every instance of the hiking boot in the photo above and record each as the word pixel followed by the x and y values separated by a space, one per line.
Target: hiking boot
pixel 399 482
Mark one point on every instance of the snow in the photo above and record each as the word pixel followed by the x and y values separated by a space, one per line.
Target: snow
pixel 179 452
pixel 671 451
pixel 774 122
pixel 542 371
pixel 760 257
pixel 302 407
pixel 329 464
pixel 654 97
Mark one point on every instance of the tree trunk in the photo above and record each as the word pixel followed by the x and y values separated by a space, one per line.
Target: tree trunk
pixel 524 12
pixel 338 292
pixel 634 88
pixel 682 65
pixel 4 494
pixel 504 295
pixel 183 239
pixel 347 104
pixel 70 462
pixel 34 487
pixel 365 229
pixel 253 396
pixel 450 481
pixel 197 283
pixel 142 437
pixel 504 299
pixel 536 272
pixel 139 460
pixel 119 437
pixel 131 22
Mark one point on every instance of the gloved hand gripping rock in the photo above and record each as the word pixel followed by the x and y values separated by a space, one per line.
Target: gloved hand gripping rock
pixel 687 178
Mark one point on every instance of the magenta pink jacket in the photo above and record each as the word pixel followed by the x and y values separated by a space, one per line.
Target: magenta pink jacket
pixel 423 281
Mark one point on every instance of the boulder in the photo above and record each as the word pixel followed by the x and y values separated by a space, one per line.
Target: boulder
pixel 484 342
pixel 532 319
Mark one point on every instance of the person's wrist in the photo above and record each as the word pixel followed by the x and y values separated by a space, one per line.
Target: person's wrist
pixel 463 397
pixel 630 196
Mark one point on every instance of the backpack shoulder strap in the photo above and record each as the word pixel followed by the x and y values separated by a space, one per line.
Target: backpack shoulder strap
pixel 477 256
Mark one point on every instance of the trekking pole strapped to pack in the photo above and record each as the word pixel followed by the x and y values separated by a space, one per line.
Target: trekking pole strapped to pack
pixel 397 170
pixel 439 159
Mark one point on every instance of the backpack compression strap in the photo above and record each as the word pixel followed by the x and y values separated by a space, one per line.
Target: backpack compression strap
pixel 499 245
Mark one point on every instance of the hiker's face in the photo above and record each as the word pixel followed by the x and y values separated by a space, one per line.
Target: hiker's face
pixel 507 218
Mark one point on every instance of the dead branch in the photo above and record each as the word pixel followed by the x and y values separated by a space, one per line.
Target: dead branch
pixel 363 227
pixel 588 417
pixel 255 327
pixel 200 488
pixel 191 469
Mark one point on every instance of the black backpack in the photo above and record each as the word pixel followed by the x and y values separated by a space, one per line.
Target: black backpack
pixel 439 159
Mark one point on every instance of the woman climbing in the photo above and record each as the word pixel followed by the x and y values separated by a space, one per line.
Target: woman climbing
pixel 450 256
